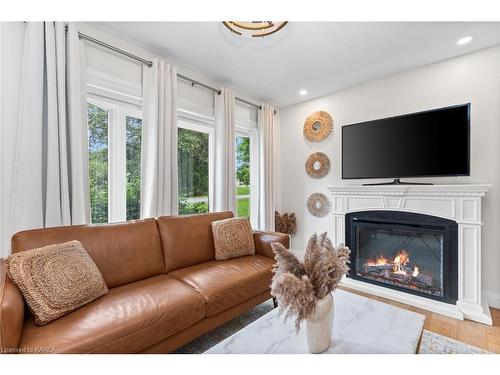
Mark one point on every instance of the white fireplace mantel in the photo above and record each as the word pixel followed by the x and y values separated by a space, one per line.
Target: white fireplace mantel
pixel 461 203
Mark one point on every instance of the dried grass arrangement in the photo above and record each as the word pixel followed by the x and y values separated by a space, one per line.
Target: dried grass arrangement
pixel 286 223
pixel 298 285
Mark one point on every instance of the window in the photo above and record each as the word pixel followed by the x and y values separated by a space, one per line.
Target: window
pixel 97 119
pixel 194 157
pixel 115 135
pixel 246 162
pixel 134 138
pixel 243 176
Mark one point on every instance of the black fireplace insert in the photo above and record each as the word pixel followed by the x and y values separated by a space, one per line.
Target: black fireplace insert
pixel 411 252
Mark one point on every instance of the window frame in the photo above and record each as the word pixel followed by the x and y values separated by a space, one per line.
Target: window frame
pixel 252 134
pixel 118 112
pixel 191 121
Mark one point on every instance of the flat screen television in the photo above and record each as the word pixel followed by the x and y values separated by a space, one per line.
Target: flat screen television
pixel 423 144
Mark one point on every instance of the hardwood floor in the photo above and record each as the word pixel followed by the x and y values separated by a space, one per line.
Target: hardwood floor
pixel 473 333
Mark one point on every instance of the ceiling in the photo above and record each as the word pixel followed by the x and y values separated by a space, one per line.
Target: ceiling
pixel 321 57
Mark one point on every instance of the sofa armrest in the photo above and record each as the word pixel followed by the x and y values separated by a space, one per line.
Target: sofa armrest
pixel 264 239
pixel 11 312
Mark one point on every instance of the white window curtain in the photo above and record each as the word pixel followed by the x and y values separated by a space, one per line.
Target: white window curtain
pixel 49 183
pixel 268 127
pixel 225 168
pixel 159 141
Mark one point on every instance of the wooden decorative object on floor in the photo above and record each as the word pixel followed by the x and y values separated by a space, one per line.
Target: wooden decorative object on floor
pixel 318 204
pixel 317 165
pixel 318 126
pixel 286 223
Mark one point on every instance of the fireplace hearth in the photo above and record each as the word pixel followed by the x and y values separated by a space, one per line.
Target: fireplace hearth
pixel 411 252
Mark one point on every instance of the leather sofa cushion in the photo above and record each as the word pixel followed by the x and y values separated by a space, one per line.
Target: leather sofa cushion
pixel 123 252
pixel 187 240
pixel 128 319
pixel 227 283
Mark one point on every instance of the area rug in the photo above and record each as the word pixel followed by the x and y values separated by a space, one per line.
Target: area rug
pixel 431 343
pixel 205 342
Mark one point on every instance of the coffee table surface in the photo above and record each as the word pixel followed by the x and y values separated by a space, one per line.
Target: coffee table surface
pixel 361 325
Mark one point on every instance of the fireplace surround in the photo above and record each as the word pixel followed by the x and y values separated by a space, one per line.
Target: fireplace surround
pixel 406 251
pixel 458 203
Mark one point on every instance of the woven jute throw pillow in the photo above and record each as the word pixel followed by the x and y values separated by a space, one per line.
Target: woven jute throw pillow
pixel 56 279
pixel 232 238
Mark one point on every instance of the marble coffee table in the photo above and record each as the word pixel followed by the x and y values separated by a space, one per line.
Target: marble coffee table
pixel 361 325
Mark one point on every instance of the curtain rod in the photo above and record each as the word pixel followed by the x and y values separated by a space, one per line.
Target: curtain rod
pixel 249 103
pixel 259 107
pixel 116 49
pixel 140 59
pixel 198 83
pixel 150 64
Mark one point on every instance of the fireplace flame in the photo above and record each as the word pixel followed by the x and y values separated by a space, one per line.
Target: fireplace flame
pixel 397 270
pixel 379 261
pixel 416 271
pixel 401 259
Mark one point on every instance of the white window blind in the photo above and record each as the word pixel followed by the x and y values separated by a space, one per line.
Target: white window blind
pixel 246 116
pixel 113 76
pixel 195 100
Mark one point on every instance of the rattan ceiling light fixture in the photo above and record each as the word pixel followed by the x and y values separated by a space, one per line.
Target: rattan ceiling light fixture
pixel 254 29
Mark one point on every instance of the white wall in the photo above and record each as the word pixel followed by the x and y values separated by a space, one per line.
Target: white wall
pixel 473 78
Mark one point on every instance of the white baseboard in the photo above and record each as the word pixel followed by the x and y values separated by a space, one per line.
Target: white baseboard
pixel 493 299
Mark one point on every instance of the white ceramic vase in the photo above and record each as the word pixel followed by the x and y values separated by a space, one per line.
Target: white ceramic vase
pixel 320 324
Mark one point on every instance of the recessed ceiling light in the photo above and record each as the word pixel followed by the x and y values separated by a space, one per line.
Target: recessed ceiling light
pixel 465 40
pixel 303 92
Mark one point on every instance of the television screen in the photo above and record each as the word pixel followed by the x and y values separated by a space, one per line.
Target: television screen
pixel 430 143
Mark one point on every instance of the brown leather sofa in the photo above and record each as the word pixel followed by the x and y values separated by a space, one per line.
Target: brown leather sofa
pixel 165 287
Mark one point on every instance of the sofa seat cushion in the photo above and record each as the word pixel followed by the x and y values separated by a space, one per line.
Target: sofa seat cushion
pixel 227 283
pixel 128 319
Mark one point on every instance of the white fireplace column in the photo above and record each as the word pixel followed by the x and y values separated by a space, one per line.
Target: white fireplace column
pixel 461 203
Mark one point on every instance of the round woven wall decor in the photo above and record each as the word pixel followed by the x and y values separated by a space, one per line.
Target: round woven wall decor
pixel 318 204
pixel 317 165
pixel 318 126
